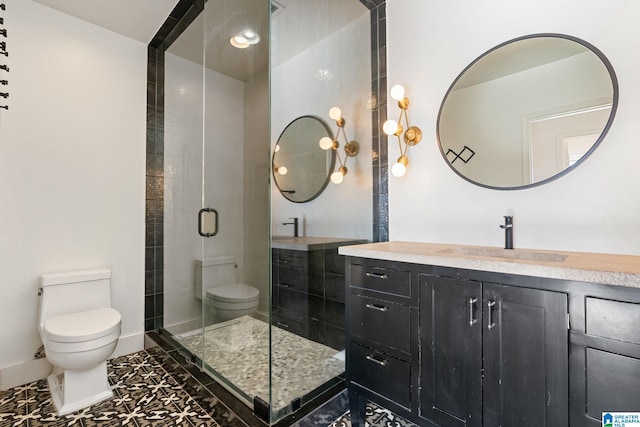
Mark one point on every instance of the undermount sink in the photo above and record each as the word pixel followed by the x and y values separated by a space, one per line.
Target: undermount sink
pixel 506 253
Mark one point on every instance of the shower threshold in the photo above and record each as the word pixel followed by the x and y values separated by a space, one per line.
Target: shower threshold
pixel 238 351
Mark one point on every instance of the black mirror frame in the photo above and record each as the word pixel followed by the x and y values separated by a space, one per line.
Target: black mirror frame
pixel 332 166
pixel 614 106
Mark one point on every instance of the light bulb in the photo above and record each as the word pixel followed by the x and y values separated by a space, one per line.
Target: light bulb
pixel 250 36
pixel 397 92
pixel 239 41
pixel 282 170
pixel 337 177
pixel 326 143
pixel 335 113
pixel 390 127
pixel 398 169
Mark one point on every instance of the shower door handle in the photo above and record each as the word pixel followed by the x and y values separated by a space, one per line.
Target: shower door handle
pixel 208 222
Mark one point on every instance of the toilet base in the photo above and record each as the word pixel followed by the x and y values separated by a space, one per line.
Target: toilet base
pixel 75 390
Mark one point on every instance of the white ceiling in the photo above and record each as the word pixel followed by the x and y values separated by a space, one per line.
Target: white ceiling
pixel 136 19
pixel 297 25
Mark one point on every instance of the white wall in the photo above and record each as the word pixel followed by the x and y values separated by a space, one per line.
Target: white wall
pixel 593 208
pixel 183 163
pixel 333 72
pixel 72 168
pixel 256 187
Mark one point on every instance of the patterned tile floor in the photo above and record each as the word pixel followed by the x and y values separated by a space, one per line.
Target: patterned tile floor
pixel 144 395
pixel 155 388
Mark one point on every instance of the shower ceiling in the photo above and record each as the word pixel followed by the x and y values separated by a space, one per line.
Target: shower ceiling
pixel 297 24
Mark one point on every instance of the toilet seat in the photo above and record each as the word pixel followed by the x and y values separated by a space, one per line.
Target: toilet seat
pixel 234 293
pixel 82 331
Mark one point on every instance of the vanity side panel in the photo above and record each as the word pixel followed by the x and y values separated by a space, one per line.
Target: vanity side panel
pixel 604 360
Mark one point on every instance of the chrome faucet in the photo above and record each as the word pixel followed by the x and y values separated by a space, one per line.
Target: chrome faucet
pixel 295 226
pixel 508 231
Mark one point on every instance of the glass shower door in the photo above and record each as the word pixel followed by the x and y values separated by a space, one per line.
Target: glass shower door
pixel 235 184
pixel 217 194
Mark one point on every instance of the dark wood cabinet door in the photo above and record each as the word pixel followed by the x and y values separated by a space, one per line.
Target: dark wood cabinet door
pixel 451 351
pixel 525 349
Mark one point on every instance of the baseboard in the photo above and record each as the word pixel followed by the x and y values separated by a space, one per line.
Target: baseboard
pixel 129 344
pixel 37 369
pixel 182 327
pixel 23 373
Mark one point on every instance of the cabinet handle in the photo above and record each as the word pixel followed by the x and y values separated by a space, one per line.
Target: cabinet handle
pixel 491 324
pixel 377 307
pixel 472 302
pixel 377 275
pixel 284 285
pixel 373 359
pixel 282 325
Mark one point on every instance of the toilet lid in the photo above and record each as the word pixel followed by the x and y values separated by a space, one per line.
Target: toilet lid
pixel 83 326
pixel 238 292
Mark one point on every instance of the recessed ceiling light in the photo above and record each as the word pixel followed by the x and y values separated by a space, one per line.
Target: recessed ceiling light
pixel 244 39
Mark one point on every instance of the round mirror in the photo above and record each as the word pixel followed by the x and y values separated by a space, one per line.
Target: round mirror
pixel 301 169
pixel 527 111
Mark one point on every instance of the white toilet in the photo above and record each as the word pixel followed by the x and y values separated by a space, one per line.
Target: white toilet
pixel 217 287
pixel 79 330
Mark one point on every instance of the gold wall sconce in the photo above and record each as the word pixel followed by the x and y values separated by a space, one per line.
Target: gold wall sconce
pixel 411 136
pixel 351 148
pixel 282 170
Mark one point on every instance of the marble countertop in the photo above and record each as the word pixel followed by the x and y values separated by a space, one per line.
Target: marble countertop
pixel 306 243
pixel 611 269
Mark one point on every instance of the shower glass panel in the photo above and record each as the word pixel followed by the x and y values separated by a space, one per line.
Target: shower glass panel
pixel 216 233
pixel 321 57
pixel 275 346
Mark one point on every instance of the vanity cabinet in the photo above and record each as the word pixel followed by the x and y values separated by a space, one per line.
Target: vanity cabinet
pixel 494 338
pixel 382 352
pixel 298 293
pixel 492 354
pixel 308 289
pixel 439 347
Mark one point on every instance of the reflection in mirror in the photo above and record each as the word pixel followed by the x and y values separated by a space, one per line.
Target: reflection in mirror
pixel 301 168
pixel 527 111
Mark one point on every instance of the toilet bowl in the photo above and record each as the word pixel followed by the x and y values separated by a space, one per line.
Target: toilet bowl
pixel 217 287
pixel 79 330
pixel 232 301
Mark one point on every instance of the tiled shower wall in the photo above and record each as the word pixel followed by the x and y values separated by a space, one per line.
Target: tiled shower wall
pixel 182 15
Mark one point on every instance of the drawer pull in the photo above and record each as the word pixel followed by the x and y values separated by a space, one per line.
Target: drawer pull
pixel 284 285
pixel 282 325
pixel 373 359
pixel 377 275
pixel 377 307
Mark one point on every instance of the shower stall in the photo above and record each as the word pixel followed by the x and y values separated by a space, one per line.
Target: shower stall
pixel 221 102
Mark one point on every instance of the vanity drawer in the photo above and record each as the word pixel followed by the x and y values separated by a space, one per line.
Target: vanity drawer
pixel 616 320
pixel 381 373
pixel 381 279
pixel 379 321
pixel 289 258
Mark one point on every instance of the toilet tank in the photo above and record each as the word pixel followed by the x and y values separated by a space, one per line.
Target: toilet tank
pixel 213 272
pixel 75 291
